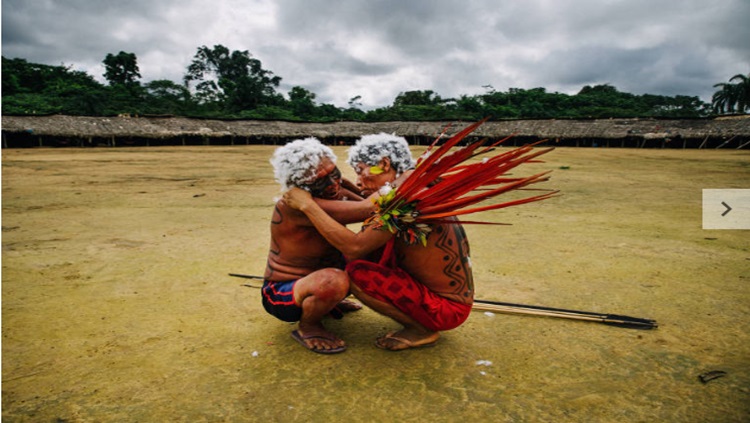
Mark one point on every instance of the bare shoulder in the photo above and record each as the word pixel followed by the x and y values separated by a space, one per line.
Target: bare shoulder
pixel 285 215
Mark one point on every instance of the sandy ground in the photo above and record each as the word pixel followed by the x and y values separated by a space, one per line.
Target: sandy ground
pixel 117 306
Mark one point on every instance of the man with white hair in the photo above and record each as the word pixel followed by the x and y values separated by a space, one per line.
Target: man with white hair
pixel 426 288
pixel 304 280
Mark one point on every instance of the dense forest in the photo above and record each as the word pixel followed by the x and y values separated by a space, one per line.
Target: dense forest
pixel 224 84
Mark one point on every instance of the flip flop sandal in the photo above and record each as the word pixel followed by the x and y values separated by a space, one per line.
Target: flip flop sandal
pixel 301 339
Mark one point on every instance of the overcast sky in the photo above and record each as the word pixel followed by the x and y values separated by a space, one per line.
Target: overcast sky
pixel 378 48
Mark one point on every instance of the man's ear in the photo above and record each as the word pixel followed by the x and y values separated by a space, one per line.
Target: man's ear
pixel 385 164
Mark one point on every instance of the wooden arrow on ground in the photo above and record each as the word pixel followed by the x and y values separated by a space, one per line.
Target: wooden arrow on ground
pixel 530 310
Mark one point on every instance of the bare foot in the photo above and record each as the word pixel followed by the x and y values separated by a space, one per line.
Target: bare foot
pixel 319 340
pixel 348 305
pixel 406 338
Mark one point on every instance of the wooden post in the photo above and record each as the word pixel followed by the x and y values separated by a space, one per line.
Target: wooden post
pixel 726 142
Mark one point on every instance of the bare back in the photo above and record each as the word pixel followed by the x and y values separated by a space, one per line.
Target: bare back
pixel 443 265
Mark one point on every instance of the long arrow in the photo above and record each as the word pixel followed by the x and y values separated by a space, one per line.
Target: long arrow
pixel 607 319
pixel 510 308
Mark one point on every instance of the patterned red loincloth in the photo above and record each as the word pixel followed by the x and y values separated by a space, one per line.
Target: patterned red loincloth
pixel 395 286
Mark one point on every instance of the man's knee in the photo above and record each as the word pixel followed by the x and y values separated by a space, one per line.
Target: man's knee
pixel 332 283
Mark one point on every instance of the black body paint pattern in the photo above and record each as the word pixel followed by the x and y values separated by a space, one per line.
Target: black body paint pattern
pixel 453 243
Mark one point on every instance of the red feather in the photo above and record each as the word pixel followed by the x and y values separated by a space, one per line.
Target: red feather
pixel 442 184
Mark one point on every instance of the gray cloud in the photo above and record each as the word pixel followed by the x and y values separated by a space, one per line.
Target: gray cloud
pixel 377 49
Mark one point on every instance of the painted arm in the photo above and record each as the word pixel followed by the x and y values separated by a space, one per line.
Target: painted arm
pixel 352 245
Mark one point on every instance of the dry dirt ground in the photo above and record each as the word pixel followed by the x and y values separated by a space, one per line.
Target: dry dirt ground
pixel 117 305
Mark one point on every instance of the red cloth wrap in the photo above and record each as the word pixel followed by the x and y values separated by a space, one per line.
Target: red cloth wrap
pixel 394 286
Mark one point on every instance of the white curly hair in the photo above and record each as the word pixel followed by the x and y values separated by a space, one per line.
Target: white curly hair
pixel 370 149
pixel 296 163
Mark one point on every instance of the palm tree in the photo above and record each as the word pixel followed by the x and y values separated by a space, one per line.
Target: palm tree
pixel 742 91
pixel 722 100
pixel 732 96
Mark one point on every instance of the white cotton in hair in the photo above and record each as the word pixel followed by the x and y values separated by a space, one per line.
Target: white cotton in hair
pixel 296 163
pixel 370 150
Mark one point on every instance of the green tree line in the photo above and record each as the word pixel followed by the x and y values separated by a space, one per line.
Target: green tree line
pixel 220 83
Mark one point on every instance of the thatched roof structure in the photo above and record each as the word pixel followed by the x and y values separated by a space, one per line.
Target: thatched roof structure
pixel 690 133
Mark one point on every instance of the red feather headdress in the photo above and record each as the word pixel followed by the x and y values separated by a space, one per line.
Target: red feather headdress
pixel 441 186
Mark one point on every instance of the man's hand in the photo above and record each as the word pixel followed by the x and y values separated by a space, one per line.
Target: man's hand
pixel 349 185
pixel 297 198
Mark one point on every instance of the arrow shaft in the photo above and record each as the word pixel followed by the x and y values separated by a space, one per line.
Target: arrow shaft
pixel 542 308
pixel 527 311
pixel 524 309
pixel 239 275
pixel 612 320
